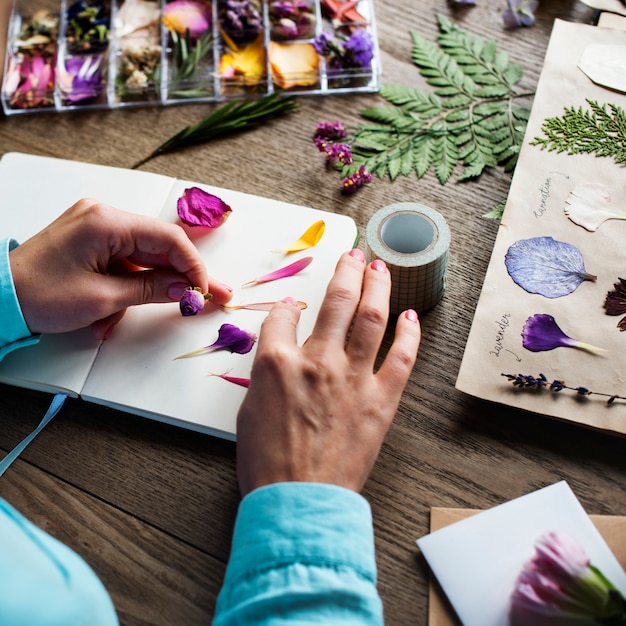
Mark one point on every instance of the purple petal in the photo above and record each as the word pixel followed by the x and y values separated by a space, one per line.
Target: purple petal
pixel 541 332
pixel 233 338
pixel 199 208
pixel 283 272
pixel 192 302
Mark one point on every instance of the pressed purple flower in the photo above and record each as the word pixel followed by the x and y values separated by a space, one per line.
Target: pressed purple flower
pixel 283 272
pixel 321 143
pixel 519 13
pixel 325 43
pixel 81 78
pixel 292 20
pixel 192 301
pixel 355 181
pixel 559 582
pixel 359 49
pixel 330 130
pixel 615 302
pixel 241 20
pixel 230 337
pixel 541 332
pixel 339 153
pixel 199 208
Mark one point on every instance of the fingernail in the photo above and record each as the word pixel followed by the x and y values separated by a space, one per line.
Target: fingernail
pixel 290 300
pixel 175 291
pixel 379 265
pixel 411 315
pixel 357 254
pixel 227 287
pixel 108 332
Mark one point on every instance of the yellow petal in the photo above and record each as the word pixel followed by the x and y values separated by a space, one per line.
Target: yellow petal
pixel 293 65
pixel 311 237
pixel 248 62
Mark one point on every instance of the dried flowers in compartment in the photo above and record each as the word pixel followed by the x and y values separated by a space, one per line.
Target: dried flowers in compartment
pixel 30 74
pixel 136 31
pixel 190 48
pixel 88 23
pixel 292 19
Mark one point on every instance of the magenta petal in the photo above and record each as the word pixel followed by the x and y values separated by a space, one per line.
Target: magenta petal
pixel 199 208
pixel 233 338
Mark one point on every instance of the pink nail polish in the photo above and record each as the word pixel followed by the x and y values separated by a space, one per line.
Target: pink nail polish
pixel 411 315
pixel 290 300
pixel 357 254
pixel 379 265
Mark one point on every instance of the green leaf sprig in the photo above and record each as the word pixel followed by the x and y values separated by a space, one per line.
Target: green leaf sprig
pixel 601 131
pixel 469 120
pixel 235 116
pixel 188 57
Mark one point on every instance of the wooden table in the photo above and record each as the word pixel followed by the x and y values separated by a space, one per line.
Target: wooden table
pixel 151 507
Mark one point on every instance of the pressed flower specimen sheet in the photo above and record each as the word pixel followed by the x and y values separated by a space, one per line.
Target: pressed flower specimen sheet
pixel 547 334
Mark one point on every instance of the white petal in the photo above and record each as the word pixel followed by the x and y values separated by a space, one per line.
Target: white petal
pixel 588 206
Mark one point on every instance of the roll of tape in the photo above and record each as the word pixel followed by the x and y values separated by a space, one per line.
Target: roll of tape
pixel 414 241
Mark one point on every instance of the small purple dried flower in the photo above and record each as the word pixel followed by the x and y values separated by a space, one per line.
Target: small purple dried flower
pixel 356 52
pixel 519 13
pixel 615 302
pixel 339 154
pixel 230 337
pixel 356 181
pixel 541 332
pixel 199 208
pixel 330 130
pixel 241 20
pixel 192 301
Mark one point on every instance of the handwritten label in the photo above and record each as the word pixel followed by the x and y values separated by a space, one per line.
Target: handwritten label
pixel 544 190
pixel 502 324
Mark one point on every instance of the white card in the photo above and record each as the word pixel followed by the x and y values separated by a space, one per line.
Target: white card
pixel 478 559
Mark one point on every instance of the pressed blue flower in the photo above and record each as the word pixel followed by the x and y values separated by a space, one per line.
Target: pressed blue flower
pixel 519 13
pixel 541 332
pixel 230 337
pixel 192 301
pixel 355 181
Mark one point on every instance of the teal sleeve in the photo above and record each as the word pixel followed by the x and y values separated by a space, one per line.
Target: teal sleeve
pixel 302 553
pixel 14 333
pixel 45 583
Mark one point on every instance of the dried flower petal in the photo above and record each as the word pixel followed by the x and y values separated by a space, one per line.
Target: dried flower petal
pixel 181 16
pixel 559 582
pixel 293 64
pixel 192 301
pixel 615 302
pixel 230 337
pixel 283 272
pixel 311 237
pixel 519 13
pixel 199 208
pixel 248 63
pixel 545 266
pixel 242 382
pixel 259 306
pixel 588 206
pixel 541 332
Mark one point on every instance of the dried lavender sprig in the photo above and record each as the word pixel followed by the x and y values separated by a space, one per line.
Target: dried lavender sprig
pixel 526 381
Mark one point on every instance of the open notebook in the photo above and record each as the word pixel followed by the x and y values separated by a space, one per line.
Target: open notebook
pixel 543 191
pixel 134 370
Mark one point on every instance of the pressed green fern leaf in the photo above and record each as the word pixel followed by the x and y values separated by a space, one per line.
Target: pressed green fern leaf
pixel 468 122
pixel 600 130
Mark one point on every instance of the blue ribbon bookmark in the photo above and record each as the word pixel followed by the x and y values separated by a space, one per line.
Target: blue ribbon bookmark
pixel 53 409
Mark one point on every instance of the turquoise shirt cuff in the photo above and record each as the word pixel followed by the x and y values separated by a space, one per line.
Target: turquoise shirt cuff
pixel 302 553
pixel 14 333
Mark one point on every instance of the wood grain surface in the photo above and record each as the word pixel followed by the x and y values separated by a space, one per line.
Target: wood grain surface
pixel 151 507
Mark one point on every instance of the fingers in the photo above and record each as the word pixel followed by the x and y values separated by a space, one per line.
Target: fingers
pixel 398 364
pixel 371 318
pixel 341 300
pixel 279 326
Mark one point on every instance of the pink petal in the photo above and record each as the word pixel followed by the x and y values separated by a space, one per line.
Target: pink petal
pixel 181 15
pixel 283 272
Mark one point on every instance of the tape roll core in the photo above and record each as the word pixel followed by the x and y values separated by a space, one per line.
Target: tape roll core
pixel 413 240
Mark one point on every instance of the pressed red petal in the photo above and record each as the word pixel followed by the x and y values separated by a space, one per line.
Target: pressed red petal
pixel 283 272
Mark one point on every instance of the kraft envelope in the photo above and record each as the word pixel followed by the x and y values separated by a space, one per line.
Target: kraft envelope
pixel 477 556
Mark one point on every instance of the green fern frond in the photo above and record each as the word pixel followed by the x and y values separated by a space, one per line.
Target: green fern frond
pixel 468 122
